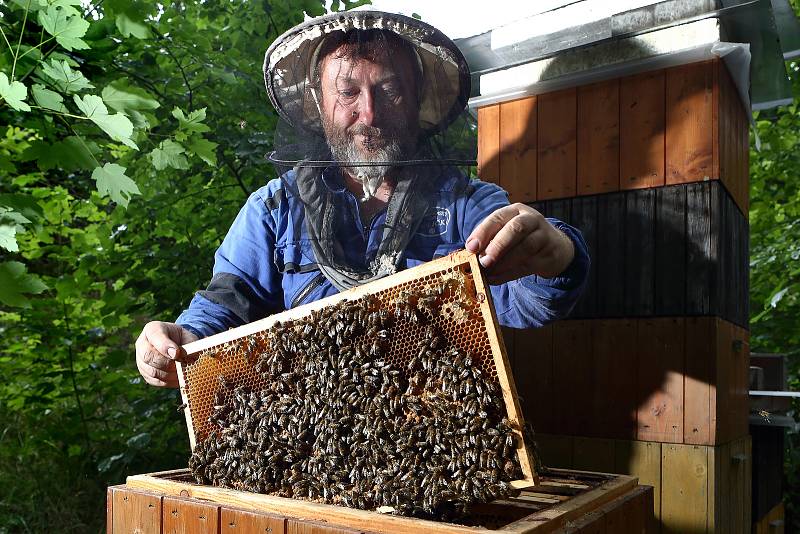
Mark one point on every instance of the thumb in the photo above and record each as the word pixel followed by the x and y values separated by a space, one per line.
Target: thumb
pixel 166 337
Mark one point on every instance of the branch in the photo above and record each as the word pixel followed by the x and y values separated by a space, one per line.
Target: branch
pixel 150 85
pixel 74 382
pixel 238 176
pixel 178 63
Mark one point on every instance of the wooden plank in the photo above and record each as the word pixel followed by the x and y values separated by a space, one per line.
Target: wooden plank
pixel 670 251
pixel 510 341
pixel 719 499
pixel 639 257
pixel 684 490
pixel 718 247
pixel 739 398
pixel 739 467
pixel 502 367
pixel 489 143
pixel 134 511
pixel 518 149
pixel 557 133
pixel 660 375
pixel 584 218
pixel 533 374
pixel 772 522
pixel 689 123
pixel 642 130
pixel 572 371
pixel 598 138
pixel 610 249
pixel 294 526
pixel 700 381
pixel 594 454
pixel 235 521
pixel 614 404
pixel 184 516
pixel 641 459
pixel 720 416
pixel 568 511
pixel 109 510
pixel 700 255
pixel 631 513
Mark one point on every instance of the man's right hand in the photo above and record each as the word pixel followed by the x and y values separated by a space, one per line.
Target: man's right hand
pixel 157 350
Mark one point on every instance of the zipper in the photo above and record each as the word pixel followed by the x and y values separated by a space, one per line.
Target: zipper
pixel 312 285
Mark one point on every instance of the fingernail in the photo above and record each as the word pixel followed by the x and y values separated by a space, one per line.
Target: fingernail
pixel 485 260
pixel 472 244
pixel 172 351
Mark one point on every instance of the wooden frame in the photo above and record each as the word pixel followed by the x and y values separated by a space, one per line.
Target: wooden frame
pixel 461 259
pixel 560 498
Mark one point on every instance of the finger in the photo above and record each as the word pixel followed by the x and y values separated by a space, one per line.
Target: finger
pixel 168 381
pixel 161 337
pixel 510 235
pixel 151 356
pixel 160 374
pixel 486 230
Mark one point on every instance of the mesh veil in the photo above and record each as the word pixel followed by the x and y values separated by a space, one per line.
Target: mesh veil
pixel 362 97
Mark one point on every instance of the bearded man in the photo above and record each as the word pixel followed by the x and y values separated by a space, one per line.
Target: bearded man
pixel 368 189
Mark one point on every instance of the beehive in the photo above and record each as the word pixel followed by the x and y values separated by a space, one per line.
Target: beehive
pixel 464 316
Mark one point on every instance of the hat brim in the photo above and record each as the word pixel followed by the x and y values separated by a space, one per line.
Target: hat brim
pixel 287 67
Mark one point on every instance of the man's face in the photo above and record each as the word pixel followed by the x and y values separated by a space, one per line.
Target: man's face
pixel 369 112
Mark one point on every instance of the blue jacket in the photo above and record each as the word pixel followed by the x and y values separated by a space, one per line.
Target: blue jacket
pixel 266 265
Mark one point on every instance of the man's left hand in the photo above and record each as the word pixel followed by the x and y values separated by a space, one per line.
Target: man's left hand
pixel 517 241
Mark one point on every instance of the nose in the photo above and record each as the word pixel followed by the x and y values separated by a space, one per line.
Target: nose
pixel 366 108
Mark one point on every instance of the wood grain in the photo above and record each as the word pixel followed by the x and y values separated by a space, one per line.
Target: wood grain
pixel 641 459
pixel 611 275
pixel 614 404
pixel 584 217
pixel 640 252
pixel 572 371
pixel 533 374
pixel 670 251
pixel 518 149
pixel 134 512
pixel 642 130
pixel 660 376
pixel 184 516
pixel 689 123
pixel 557 136
pixel 684 488
pixel 489 143
pixel 700 392
pixel 233 521
pixel 598 138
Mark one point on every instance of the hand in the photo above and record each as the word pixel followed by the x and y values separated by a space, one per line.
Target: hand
pixel 517 241
pixel 157 350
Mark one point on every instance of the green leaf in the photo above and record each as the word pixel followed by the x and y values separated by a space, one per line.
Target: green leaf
pixel 67 80
pixel 71 154
pixel 192 123
pixel 48 99
pixel 169 154
pixel 117 126
pixel 24 205
pixel 15 283
pixel 13 93
pixel 121 96
pixel 204 149
pixel 66 25
pixel 129 27
pixel 112 181
pixel 8 236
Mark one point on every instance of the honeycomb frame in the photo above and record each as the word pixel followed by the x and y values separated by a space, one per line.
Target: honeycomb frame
pixel 466 318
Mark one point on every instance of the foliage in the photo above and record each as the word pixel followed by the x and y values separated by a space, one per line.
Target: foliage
pixel 132 133
pixel 775 256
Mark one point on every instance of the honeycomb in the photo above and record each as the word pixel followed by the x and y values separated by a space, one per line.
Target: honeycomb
pixel 458 312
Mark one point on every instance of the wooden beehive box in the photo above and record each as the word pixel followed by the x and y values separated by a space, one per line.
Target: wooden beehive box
pixel 466 319
pixel 562 501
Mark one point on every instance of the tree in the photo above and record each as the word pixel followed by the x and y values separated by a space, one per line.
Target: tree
pixel 134 133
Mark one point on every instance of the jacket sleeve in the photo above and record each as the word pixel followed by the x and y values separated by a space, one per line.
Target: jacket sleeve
pixel 245 285
pixel 530 301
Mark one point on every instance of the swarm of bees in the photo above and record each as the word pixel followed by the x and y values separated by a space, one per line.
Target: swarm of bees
pixel 337 423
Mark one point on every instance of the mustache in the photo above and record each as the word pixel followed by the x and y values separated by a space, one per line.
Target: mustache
pixel 366 130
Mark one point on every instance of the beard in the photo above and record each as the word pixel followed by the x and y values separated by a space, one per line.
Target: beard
pixel 371 161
